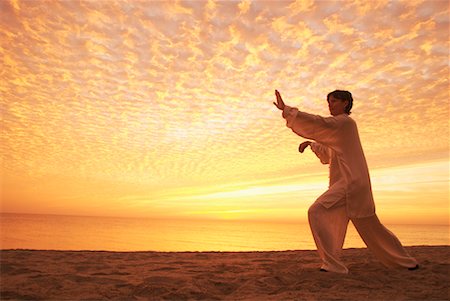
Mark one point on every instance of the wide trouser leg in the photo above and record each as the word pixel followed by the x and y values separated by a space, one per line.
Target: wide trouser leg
pixel 329 226
pixel 383 243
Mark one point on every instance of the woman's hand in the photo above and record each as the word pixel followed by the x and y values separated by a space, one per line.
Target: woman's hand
pixel 280 103
pixel 303 145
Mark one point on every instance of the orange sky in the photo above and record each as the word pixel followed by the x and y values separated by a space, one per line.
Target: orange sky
pixel 164 109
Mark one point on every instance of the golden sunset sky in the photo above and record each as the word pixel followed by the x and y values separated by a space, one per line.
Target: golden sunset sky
pixel 163 109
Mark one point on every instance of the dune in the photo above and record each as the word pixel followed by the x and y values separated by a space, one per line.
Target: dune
pixel 286 275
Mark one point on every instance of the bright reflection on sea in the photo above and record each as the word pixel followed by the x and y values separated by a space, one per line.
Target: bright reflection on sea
pixel 127 234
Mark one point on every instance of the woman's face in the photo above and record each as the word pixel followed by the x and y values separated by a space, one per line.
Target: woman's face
pixel 336 106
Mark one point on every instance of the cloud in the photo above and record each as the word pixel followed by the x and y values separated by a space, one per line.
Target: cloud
pixel 180 93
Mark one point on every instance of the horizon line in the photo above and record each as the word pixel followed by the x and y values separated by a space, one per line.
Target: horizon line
pixel 169 218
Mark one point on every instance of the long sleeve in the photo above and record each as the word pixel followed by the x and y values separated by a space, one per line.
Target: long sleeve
pixel 324 130
pixel 349 174
pixel 322 152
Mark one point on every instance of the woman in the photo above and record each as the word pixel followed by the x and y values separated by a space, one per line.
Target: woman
pixel 349 197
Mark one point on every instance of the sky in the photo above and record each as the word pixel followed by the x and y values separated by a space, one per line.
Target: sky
pixel 163 109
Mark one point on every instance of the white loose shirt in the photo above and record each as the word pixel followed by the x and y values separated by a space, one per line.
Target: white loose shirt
pixel 337 143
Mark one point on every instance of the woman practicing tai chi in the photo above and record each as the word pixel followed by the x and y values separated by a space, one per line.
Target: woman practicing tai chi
pixel 349 197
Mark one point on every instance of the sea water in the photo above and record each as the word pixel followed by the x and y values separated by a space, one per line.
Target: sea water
pixel 56 232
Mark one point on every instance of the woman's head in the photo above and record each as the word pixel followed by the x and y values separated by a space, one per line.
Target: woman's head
pixel 340 101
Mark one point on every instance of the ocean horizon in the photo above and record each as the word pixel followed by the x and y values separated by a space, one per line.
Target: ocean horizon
pixel 63 232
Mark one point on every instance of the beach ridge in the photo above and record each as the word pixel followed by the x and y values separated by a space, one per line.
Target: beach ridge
pixel 254 275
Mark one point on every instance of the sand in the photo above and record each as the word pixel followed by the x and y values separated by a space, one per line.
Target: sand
pixel 288 275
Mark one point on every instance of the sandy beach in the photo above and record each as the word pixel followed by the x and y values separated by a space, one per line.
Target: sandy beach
pixel 288 275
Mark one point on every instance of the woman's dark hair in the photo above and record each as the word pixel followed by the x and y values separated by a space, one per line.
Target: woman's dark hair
pixel 343 95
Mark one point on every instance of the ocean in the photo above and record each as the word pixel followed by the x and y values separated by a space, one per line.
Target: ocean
pixel 57 232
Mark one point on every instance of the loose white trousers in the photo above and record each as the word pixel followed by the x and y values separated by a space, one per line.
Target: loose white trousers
pixel 329 227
